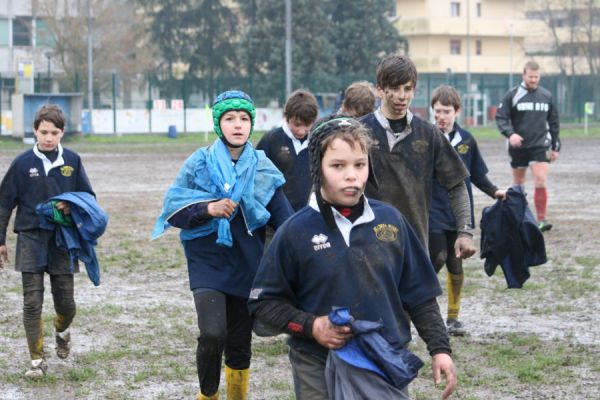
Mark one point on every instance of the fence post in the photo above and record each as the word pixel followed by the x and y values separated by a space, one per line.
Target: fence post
pixel 1 86
pixel 184 97
pixel 149 105
pixel 114 101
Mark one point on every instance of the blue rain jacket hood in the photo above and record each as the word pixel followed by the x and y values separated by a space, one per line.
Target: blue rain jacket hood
pixel 209 175
pixel 89 223
pixel 370 349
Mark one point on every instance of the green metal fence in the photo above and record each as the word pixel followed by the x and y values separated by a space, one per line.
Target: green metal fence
pixel 114 91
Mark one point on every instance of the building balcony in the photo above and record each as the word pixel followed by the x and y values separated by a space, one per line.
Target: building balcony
pixel 478 64
pixel 444 26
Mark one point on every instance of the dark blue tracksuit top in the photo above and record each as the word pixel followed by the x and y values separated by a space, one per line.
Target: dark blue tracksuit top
pixel 384 271
pixel 441 217
pixel 279 148
pixel 26 185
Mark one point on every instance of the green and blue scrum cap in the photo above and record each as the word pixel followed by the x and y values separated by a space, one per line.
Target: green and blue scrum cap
pixel 232 100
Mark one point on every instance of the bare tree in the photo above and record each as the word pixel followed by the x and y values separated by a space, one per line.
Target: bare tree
pixel 575 29
pixel 120 43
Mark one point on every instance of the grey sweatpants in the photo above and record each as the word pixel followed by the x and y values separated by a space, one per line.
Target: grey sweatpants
pixel 315 379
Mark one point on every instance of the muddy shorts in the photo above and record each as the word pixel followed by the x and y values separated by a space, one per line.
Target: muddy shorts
pixel 37 252
pixel 521 158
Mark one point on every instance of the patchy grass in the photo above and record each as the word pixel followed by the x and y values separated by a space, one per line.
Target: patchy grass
pixel 134 337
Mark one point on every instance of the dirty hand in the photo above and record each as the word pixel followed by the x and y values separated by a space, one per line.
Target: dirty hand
pixel 329 335
pixel 64 207
pixel 515 140
pixel 442 364
pixel 553 156
pixel 3 256
pixel 464 247
pixel 222 208
pixel 500 194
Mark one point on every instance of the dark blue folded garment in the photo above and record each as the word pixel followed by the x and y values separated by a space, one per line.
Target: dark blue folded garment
pixel 370 349
pixel 80 239
pixel 510 237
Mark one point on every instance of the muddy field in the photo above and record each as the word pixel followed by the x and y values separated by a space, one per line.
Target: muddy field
pixel 134 336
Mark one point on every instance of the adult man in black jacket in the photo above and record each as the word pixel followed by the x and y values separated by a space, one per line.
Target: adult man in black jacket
pixel 528 118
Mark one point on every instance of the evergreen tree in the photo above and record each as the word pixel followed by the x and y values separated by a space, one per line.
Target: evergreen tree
pixel 362 34
pixel 264 41
pixel 200 34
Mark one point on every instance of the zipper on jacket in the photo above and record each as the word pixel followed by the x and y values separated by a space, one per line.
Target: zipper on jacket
pixel 245 222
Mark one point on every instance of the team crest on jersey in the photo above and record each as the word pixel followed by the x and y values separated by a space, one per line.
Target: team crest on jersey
pixel 386 232
pixel 462 148
pixel 284 150
pixel 33 172
pixel 320 242
pixel 66 170
pixel 420 146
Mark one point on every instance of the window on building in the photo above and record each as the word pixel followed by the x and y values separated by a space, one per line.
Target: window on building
pixel 478 10
pixel 43 36
pixel 454 46
pixel 478 47
pixel 22 31
pixel 454 9
pixel 4 39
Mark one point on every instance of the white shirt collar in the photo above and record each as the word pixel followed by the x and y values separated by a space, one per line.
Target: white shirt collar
pixel 298 145
pixel 394 137
pixel 455 140
pixel 47 164
pixel 344 224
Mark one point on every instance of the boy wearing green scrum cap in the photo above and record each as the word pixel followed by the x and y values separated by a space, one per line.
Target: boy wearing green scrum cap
pixel 222 199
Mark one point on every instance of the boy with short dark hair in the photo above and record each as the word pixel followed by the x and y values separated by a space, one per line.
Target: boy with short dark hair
pixel 33 177
pixel 286 146
pixel 344 250
pixel 446 105
pixel 410 152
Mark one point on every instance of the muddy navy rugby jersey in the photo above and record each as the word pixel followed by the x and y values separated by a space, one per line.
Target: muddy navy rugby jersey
pixel 379 273
pixel 32 179
pixel 405 172
pixel 294 165
pixel 531 114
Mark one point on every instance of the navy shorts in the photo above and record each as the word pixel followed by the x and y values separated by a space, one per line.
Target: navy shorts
pixel 521 158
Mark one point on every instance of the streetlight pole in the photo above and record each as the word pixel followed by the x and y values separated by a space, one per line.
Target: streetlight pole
pixel 468 113
pixel 288 48
pixel 48 55
pixel 90 68
pixel 510 58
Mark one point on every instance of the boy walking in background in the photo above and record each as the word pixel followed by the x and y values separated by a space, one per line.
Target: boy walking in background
pixel 35 176
pixel 359 100
pixel 446 105
pixel 286 146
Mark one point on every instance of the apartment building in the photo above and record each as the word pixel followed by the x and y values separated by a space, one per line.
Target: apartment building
pixel 25 42
pixel 476 36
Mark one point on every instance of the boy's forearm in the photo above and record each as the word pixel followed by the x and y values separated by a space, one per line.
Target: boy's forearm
pixel 429 323
pixel 4 219
pixel 461 208
pixel 283 317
